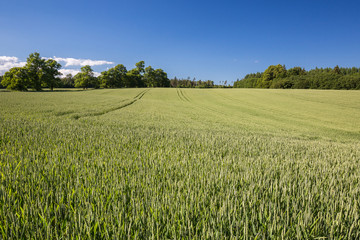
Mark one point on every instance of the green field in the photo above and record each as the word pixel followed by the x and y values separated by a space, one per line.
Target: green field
pixel 180 164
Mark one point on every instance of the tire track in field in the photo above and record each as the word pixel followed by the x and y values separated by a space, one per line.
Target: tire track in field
pixel 212 110
pixel 182 94
pixel 135 99
pixel 180 97
pixel 185 98
pixel 202 106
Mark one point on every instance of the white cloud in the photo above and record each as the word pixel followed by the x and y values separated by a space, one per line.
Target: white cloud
pixel 7 62
pixel 74 72
pixel 81 62
pixel 256 61
pixel 8 59
pixel 69 71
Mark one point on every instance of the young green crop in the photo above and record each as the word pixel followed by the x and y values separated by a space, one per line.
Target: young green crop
pixel 180 163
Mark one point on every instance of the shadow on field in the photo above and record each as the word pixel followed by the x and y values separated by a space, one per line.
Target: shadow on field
pixel 63 90
pixel 48 90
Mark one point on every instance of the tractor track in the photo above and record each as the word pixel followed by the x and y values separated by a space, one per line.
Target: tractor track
pixel 132 101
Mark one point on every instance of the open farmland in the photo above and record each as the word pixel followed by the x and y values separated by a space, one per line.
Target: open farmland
pixel 180 164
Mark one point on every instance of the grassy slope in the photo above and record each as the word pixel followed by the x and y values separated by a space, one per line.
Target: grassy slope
pixel 180 163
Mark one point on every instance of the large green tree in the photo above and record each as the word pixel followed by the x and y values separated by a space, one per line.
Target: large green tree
pixel 114 77
pixel 161 78
pixel 272 72
pixel 37 73
pixel 41 72
pixel 86 78
pixel 35 70
pixel 134 77
pixel 15 79
pixel 149 77
pixel 50 74
pixel 140 66
pixel 156 78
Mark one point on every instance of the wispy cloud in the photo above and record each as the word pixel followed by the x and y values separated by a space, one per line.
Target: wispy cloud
pixel 68 71
pixel 7 62
pixel 256 61
pixel 74 72
pixel 81 62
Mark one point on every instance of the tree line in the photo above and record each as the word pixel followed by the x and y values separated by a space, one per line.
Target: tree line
pixel 40 73
pixel 277 76
pixel 36 74
pixel 187 83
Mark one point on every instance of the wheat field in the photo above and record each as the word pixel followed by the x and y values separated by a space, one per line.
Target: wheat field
pixel 180 164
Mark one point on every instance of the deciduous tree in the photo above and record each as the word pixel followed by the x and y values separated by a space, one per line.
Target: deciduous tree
pixel 50 76
pixel 114 77
pixel 37 73
pixel 134 78
pixel 273 71
pixel 140 66
pixel 86 78
pixel 16 79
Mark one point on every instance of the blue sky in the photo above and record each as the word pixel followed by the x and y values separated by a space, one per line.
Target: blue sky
pixel 209 40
